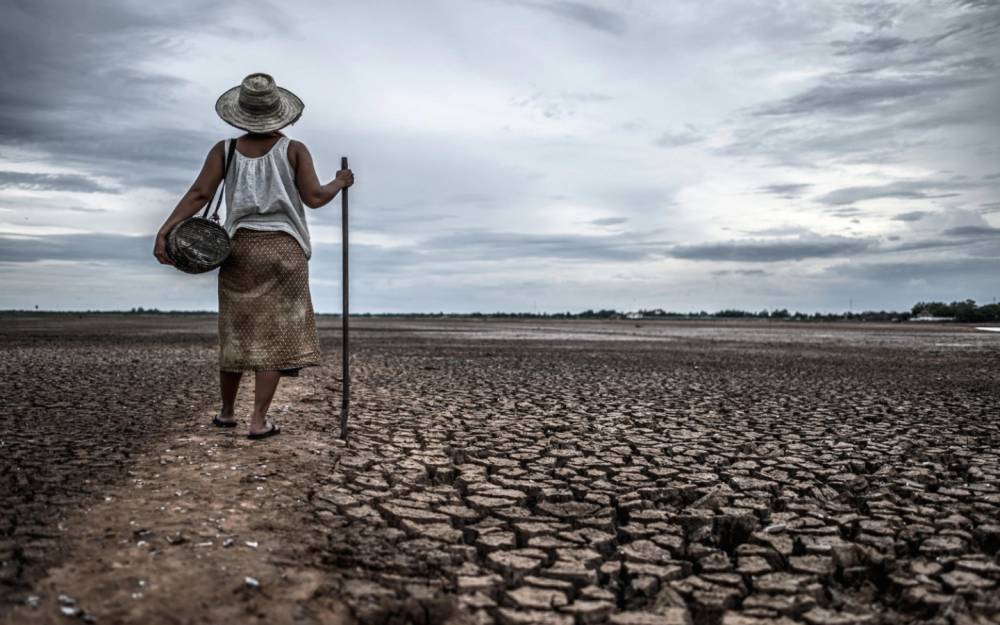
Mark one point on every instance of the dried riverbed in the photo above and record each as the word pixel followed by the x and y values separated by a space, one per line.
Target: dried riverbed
pixel 509 473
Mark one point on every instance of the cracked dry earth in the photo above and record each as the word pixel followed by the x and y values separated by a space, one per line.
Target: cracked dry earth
pixel 497 473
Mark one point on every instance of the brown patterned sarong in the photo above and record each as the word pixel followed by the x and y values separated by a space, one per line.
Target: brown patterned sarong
pixel 266 319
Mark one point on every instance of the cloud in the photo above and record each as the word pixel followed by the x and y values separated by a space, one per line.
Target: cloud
pixel 908 80
pixel 769 251
pixel 73 88
pixel 559 105
pixel 972 231
pixel 676 139
pixel 76 247
pixel 740 272
pixel 903 190
pixel 956 245
pixel 51 182
pixel 588 96
pixel 594 17
pixel 468 245
pixel 977 4
pixel 960 270
pixel 911 216
pixel 476 244
pixel 848 211
pixel 785 190
pixel 608 221
pixel 870 45
pixel 861 95
pixel 780 231
pixel 488 168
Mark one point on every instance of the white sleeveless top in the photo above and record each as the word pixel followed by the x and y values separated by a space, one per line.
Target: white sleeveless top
pixel 261 195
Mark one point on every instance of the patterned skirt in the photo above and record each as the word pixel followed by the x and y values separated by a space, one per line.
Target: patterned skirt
pixel 266 319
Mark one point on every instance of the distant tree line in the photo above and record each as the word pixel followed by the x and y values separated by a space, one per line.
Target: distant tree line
pixel 139 310
pixel 965 311
pixel 777 313
pixel 961 311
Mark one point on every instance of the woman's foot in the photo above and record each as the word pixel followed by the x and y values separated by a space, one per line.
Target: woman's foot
pixel 224 420
pixel 269 429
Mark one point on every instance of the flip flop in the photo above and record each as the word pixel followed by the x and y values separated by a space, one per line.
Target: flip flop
pixel 223 424
pixel 269 432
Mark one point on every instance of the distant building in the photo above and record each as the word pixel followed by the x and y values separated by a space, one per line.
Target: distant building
pixel 926 316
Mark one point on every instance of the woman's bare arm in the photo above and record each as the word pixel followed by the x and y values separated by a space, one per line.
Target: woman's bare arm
pixel 313 193
pixel 194 200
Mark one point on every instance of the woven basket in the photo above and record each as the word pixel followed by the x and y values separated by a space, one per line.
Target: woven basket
pixel 197 245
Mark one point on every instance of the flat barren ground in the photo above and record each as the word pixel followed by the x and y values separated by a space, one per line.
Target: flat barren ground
pixel 505 472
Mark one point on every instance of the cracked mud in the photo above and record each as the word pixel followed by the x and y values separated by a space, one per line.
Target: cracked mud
pixel 497 473
pixel 671 483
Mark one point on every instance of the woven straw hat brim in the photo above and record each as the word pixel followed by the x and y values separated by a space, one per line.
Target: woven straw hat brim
pixel 289 111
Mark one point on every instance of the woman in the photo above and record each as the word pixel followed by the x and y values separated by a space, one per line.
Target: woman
pixel 266 321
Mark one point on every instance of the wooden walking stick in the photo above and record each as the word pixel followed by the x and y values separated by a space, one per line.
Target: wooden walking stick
pixel 345 405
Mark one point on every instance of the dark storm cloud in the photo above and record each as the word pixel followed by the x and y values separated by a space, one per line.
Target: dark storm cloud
pixel 911 216
pixel 769 251
pixel 595 17
pixel 71 86
pixel 926 245
pixel 75 247
pixel 964 241
pixel 886 92
pixel 51 182
pixel 870 45
pixel 972 231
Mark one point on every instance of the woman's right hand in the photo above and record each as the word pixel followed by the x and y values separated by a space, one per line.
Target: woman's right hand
pixel 160 249
pixel 345 177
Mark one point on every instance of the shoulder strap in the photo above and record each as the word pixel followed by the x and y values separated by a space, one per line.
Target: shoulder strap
pixel 222 186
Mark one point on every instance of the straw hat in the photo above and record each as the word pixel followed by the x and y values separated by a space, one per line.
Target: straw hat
pixel 259 105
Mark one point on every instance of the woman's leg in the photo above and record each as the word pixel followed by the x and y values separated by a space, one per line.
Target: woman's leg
pixel 266 383
pixel 229 384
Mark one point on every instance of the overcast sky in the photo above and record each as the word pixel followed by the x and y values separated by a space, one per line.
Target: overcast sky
pixel 523 155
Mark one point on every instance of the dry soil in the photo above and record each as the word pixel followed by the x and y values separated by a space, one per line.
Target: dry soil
pixel 505 472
